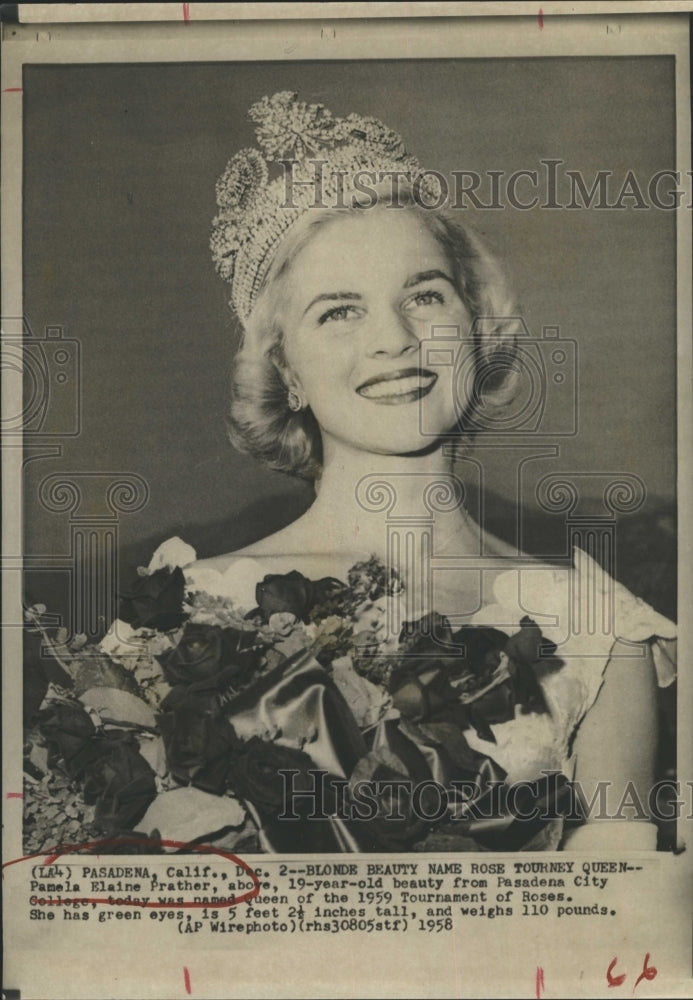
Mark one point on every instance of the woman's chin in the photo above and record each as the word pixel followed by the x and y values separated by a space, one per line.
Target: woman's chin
pixel 408 446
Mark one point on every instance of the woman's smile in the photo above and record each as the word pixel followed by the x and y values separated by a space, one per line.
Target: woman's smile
pixel 393 388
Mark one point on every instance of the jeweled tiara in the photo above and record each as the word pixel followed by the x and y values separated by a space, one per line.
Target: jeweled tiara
pixel 320 161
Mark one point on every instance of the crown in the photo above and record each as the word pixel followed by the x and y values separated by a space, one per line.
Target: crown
pixel 318 158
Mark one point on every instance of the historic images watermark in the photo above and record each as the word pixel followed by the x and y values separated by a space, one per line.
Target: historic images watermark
pixel 549 185
pixel 315 795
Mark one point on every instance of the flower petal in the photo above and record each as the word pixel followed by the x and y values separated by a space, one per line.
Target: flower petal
pixel 187 814
pixel 171 553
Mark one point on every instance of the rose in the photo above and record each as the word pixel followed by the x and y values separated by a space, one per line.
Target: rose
pixel 396 822
pixel 255 774
pixel 70 735
pixel 420 684
pixel 421 692
pixel 121 783
pixel 524 649
pixel 155 601
pixel 428 636
pixel 210 657
pixel 293 592
pixel 282 623
pixel 198 740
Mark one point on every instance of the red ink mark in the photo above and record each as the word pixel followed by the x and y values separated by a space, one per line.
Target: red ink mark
pixel 14 795
pixel 54 853
pixel 540 19
pixel 614 980
pixel 648 971
pixel 186 13
pixel 13 90
pixel 186 977
pixel 540 982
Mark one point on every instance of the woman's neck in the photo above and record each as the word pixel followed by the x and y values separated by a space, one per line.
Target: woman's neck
pixel 363 498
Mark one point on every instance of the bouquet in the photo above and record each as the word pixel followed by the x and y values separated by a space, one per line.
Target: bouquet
pixel 184 722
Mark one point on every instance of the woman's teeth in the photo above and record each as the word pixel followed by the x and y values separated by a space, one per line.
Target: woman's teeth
pixel 394 388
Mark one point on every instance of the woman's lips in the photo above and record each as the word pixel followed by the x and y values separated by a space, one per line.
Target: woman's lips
pixel 398 387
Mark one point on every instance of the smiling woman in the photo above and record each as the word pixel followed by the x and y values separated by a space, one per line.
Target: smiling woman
pixel 363 289
pixel 348 309
pixel 370 676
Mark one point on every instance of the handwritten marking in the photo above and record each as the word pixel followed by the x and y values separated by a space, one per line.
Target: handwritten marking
pixel 186 978
pixel 540 19
pixel 614 980
pixel 14 795
pixel 648 972
pixel 539 982
pixel 52 854
pixel 186 13
pixel 13 90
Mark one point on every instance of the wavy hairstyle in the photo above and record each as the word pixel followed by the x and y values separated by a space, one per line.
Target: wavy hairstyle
pixel 260 422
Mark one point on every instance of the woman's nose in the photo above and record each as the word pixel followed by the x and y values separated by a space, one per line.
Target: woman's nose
pixel 391 334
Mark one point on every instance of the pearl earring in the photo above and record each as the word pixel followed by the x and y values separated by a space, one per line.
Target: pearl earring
pixel 294 401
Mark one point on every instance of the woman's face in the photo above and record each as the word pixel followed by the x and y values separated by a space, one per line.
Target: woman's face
pixel 364 295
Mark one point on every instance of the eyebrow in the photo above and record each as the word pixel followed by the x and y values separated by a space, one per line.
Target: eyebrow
pixel 332 297
pixel 417 279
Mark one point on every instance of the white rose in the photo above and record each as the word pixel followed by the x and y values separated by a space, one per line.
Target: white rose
pixel 171 553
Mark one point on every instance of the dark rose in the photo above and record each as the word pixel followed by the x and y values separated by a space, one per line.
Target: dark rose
pixel 210 657
pixel 198 739
pixel 293 592
pixel 122 785
pixel 428 636
pixel 255 775
pixel 396 824
pixel 420 684
pixel 528 645
pixel 69 734
pixel 472 649
pixel 481 649
pixel 421 692
pixel 155 601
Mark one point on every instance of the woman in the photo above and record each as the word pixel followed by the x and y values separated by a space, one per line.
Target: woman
pixel 351 288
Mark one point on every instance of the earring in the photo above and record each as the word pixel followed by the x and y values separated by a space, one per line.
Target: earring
pixel 294 401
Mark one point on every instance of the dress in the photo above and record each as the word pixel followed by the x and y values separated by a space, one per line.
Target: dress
pixel 582 610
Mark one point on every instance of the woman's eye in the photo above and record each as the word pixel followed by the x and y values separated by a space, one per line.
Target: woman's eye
pixel 337 313
pixel 427 297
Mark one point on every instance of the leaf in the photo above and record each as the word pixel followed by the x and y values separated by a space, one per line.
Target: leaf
pixel 94 669
pixel 118 706
pixel 154 753
pixel 39 758
pixel 186 814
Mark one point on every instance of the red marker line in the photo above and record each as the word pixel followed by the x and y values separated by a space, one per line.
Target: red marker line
pixel 52 854
pixel 14 795
pixel 186 978
pixel 540 19
pixel 13 90
pixel 539 982
pixel 186 12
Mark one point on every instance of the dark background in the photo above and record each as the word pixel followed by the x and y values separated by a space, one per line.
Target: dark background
pixel 120 164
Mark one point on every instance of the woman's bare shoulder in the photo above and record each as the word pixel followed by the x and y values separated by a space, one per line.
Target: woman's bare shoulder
pixel 291 548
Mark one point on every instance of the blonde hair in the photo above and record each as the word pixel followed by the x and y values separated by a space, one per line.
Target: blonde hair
pixel 260 422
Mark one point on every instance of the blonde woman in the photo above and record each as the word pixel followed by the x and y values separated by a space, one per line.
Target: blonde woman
pixel 343 272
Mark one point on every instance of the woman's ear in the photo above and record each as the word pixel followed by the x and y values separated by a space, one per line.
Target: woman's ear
pixel 290 379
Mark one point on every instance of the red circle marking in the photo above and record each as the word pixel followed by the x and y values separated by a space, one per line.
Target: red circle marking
pixel 54 853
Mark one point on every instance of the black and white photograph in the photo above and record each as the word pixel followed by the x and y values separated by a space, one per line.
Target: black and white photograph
pixel 346 429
